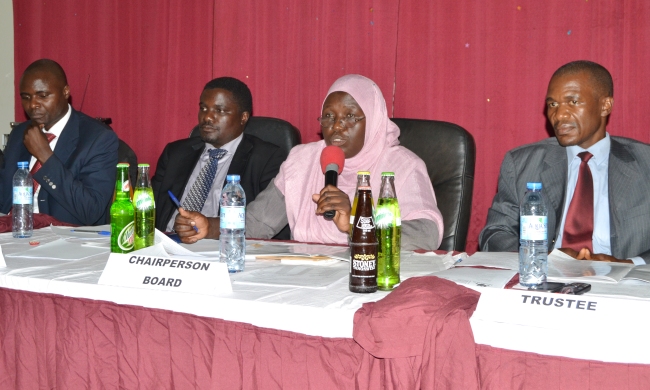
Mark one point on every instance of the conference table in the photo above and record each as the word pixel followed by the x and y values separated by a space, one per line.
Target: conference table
pixel 59 328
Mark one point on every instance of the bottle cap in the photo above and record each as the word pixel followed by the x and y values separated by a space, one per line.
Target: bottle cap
pixel 363 173
pixel 143 165
pixel 23 164
pixel 534 186
pixel 123 165
pixel 388 174
pixel 232 177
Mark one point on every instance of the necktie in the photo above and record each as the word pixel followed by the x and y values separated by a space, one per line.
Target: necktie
pixel 579 224
pixel 201 187
pixel 38 164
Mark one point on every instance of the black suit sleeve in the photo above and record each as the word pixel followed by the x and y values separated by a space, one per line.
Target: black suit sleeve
pixel 86 194
pixel 159 193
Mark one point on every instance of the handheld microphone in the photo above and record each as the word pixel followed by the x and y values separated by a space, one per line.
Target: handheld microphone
pixel 332 159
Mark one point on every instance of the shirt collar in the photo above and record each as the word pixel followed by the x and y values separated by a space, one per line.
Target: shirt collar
pixel 600 150
pixel 57 128
pixel 230 147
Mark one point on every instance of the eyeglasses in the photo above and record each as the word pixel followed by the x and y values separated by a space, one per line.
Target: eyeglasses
pixel 329 120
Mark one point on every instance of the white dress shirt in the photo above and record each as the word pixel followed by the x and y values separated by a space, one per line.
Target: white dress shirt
pixel 211 205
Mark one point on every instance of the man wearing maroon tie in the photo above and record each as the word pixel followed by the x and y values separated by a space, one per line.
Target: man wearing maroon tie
pixel 72 156
pixel 596 185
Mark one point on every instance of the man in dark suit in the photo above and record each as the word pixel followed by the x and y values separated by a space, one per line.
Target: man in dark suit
pixel 72 156
pixel 579 100
pixel 224 108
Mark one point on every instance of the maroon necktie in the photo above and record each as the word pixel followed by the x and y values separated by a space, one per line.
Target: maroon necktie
pixel 38 164
pixel 579 224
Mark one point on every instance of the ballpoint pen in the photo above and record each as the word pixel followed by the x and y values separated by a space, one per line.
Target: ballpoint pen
pixel 178 204
pixel 100 232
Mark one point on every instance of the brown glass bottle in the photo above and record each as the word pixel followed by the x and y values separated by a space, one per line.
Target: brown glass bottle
pixel 363 246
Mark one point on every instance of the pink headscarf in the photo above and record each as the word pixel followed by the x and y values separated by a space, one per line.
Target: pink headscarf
pixel 301 176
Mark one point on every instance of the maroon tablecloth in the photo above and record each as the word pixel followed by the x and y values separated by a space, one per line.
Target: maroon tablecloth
pixel 51 341
pixel 417 337
pixel 504 369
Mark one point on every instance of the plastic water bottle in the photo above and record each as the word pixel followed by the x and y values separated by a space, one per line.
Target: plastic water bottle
pixel 23 207
pixel 232 215
pixel 533 239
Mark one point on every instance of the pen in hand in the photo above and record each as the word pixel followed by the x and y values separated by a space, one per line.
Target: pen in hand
pixel 178 205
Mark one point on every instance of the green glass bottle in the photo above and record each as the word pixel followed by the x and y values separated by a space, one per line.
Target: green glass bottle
pixel 389 234
pixel 145 209
pixel 122 213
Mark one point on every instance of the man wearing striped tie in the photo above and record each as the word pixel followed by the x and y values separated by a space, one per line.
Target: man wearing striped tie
pixel 72 157
pixel 194 169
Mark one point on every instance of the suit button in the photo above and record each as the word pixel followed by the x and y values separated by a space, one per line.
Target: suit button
pixel 54 186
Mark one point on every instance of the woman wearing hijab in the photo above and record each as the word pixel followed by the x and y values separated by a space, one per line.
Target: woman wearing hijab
pixel 354 118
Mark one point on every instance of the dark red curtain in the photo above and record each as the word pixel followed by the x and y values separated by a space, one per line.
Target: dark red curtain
pixel 483 65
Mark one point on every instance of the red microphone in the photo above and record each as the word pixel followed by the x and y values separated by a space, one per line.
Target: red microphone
pixel 332 159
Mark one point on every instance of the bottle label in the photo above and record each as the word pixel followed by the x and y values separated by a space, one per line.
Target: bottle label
pixel 144 201
pixel 232 217
pixel 534 227
pixel 386 218
pixel 365 223
pixel 363 262
pixel 23 195
pixel 125 238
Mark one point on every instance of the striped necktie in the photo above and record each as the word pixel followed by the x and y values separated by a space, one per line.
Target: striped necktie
pixel 201 187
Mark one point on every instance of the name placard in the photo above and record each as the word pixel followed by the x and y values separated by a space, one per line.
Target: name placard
pixel 576 326
pixel 161 273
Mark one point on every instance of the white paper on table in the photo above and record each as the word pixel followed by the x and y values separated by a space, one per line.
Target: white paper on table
pixel 62 249
pixel 293 276
pixel 564 268
pixel 169 247
pixel 206 247
pixel 504 260
pixel 319 263
pixel 69 232
pixel 420 264
pixel 478 277
pixel 639 273
pixel 264 248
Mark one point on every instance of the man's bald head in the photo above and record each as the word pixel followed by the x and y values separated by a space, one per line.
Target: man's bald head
pixel 44 92
pixel 47 66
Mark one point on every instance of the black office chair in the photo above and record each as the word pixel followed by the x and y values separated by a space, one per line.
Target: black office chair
pixel 273 130
pixel 125 154
pixel 449 153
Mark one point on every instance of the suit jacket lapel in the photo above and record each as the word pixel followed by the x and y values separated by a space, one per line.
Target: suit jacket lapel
pixel 240 159
pixel 67 144
pixel 184 167
pixel 178 173
pixel 622 177
pixel 554 177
